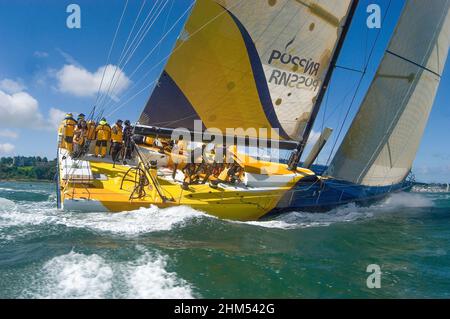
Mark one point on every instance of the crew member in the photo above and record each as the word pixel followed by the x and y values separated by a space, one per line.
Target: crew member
pixel 90 133
pixel 102 135
pixel 127 139
pixel 116 140
pixel 79 137
pixel 81 117
pixel 177 154
pixel 68 128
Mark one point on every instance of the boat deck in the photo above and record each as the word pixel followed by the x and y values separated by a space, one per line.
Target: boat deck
pixel 96 184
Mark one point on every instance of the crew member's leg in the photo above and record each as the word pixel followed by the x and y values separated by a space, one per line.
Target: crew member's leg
pixel 103 148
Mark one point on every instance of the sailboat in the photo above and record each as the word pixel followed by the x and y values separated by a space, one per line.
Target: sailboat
pixel 262 68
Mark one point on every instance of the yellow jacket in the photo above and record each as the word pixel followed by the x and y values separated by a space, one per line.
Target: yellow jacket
pixel 68 127
pixel 117 134
pixel 103 132
pixel 90 134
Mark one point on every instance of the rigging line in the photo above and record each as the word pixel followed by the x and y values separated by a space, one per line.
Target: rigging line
pixel 111 86
pixel 131 98
pixel 348 69
pixel 132 29
pixel 178 47
pixel 111 89
pixel 358 86
pixel 137 35
pixel 109 56
pixel 128 39
pixel 166 22
pixel 162 39
pixel 143 25
pixel 414 63
pixel 148 28
pixel 338 105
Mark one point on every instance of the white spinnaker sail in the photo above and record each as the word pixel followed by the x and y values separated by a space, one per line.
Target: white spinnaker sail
pixel 382 142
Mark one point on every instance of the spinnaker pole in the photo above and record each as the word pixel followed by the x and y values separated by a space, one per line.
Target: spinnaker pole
pixel 297 154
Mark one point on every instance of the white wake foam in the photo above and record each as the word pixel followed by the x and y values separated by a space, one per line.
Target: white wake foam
pixel 131 223
pixel 147 278
pixel 406 200
pixel 136 222
pixel 80 276
pixel 75 276
pixel 12 214
pixel 346 213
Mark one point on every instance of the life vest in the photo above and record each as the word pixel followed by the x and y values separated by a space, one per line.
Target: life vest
pixel 68 127
pixel 90 133
pixel 79 136
pixel 181 144
pixel 117 134
pixel 148 140
pixel 223 176
pixel 103 132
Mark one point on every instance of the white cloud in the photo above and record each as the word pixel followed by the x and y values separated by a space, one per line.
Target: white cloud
pixel 19 110
pixel 8 134
pixel 55 116
pixel 6 148
pixel 69 59
pixel 11 86
pixel 80 82
pixel 40 54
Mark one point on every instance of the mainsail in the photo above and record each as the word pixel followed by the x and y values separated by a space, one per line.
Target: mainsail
pixel 248 64
pixel 382 142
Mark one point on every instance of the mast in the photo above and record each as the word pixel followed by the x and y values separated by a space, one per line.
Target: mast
pixel 297 154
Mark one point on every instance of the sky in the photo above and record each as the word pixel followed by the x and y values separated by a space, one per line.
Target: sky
pixel 48 69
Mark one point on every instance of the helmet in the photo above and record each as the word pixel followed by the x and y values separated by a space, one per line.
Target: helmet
pixel 81 116
pixel 119 121
pixel 127 123
pixel 103 121
pixel 69 115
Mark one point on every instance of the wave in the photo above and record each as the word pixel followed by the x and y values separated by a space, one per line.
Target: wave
pixel 154 219
pixel 136 222
pixel 430 189
pixel 406 200
pixel 144 220
pixel 346 213
pixel 24 214
pixel 80 276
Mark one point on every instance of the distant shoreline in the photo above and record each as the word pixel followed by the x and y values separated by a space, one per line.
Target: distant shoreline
pixel 47 181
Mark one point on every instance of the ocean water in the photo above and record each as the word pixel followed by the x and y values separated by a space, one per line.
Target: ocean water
pixel 183 253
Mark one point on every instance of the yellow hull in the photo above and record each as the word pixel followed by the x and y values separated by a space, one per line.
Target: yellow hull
pixel 107 192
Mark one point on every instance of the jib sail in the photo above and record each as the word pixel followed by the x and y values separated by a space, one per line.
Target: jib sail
pixel 382 142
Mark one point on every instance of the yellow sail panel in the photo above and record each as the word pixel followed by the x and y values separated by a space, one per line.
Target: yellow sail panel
pixel 214 71
pixel 248 64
